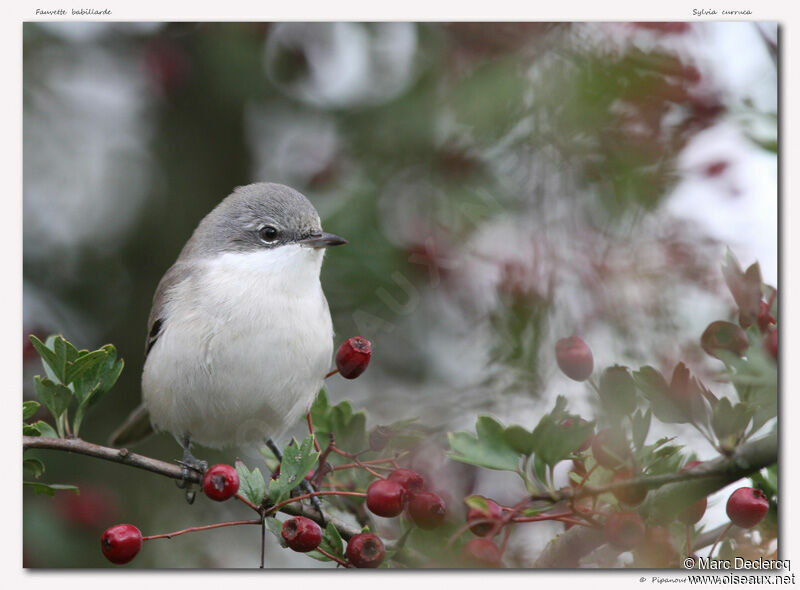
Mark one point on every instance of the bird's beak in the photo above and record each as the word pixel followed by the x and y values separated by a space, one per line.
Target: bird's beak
pixel 323 240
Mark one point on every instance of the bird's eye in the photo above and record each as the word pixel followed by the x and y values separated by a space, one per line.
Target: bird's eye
pixel 268 234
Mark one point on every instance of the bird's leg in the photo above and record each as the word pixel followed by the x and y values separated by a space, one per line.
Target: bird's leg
pixel 188 464
pixel 306 485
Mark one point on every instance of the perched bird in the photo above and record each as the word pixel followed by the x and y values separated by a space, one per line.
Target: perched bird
pixel 239 337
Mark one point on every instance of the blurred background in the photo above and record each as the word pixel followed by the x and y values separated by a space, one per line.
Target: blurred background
pixel 502 185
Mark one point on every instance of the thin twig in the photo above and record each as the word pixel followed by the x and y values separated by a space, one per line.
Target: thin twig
pixel 206 527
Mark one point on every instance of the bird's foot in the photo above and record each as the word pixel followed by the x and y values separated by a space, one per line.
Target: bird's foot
pixel 190 468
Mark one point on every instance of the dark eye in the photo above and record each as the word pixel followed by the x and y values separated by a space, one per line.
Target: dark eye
pixel 268 234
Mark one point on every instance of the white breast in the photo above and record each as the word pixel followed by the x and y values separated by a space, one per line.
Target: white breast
pixel 245 346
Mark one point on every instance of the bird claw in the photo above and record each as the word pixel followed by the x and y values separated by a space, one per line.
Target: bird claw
pixel 190 466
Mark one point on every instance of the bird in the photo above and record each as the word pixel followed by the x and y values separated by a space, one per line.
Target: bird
pixel 239 336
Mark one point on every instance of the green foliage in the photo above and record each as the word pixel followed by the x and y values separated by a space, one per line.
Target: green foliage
pixel 73 375
pixel 657 391
pixel 251 483
pixel 44 489
pixel 488 449
pixel 332 543
pixel 495 446
pixel 297 461
pixel 349 427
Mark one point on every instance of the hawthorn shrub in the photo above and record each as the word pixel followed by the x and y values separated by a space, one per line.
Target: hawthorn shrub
pixel 643 498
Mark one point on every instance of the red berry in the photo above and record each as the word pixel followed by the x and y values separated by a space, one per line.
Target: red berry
pixel 410 480
pixel 771 343
pixel 301 534
pixel 624 530
pixel 493 512
pixel 365 550
pixel 722 335
pixel 353 357
pixel 121 543
pixel 609 450
pixel 574 358
pixel 426 510
pixel 482 553
pixel 632 494
pixel 585 444
pixel 695 512
pixel 220 482
pixel 747 507
pixel 386 497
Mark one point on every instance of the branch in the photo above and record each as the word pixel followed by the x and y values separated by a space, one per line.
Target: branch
pixel 676 492
pixel 124 456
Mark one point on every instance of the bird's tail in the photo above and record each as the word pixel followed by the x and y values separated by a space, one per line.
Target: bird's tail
pixel 136 428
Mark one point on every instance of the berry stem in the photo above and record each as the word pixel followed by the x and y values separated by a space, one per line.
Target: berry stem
pixel 202 528
pixel 338 560
pixel 311 430
pixel 363 463
pixel 332 373
pixel 719 538
pixel 248 502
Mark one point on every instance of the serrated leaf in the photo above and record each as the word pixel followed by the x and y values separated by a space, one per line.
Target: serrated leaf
pixel 488 449
pixel 554 440
pixel 251 483
pixel 656 389
pixel 728 420
pixel 50 489
pixel 29 409
pixel 55 397
pixel 34 466
pixel 297 461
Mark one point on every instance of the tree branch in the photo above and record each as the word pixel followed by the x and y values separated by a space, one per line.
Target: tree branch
pixel 676 492
pixel 124 456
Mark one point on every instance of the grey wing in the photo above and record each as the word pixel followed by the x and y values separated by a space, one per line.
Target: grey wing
pixel 137 426
pixel 157 322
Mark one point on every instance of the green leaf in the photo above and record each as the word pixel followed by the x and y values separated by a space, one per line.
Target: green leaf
pixel 332 541
pixel 488 449
pixel 54 396
pixel 729 421
pixel 30 430
pixel 34 466
pixel 519 439
pixel 49 359
pixel 297 461
pixel 275 527
pixel 29 409
pixel 85 362
pixel 42 429
pixel 251 483
pixel 656 389
pixel 59 346
pixel 617 391
pixel 477 502
pixel 349 427
pixel 555 441
pixel 50 489
pixel 640 426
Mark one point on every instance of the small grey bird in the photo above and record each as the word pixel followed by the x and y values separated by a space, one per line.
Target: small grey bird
pixel 240 335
